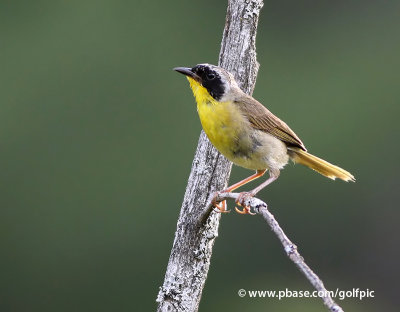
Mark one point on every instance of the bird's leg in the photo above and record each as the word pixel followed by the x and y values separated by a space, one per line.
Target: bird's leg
pixel 222 207
pixel 273 175
pixel 233 187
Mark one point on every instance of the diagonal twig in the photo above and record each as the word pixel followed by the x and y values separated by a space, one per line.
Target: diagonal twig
pixel 261 208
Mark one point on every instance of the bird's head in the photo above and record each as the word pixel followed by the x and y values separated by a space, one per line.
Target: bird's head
pixel 213 80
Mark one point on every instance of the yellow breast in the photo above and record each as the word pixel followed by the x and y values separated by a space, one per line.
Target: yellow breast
pixel 222 122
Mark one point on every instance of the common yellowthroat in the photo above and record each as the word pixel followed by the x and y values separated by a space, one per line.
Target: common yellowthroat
pixel 246 132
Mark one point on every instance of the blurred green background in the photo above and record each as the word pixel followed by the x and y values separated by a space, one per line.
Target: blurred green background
pixel 97 136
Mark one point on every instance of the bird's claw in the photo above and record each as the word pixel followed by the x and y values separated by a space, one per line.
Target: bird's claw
pixel 240 201
pixel 220 206
pixel 245 210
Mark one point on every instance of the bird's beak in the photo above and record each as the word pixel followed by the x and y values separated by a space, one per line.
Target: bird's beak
pixel 187 72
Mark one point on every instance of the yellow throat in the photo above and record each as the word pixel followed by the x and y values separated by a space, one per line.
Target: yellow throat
pixel 221 121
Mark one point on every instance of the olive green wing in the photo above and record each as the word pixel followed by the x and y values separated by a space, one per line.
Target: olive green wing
pixel 262 119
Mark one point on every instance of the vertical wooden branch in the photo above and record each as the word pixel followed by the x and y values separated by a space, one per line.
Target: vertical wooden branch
pixel 192 248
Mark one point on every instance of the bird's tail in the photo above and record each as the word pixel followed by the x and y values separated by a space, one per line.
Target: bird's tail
pixel 319 165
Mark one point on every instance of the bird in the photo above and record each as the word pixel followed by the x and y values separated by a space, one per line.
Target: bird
pixel 247 133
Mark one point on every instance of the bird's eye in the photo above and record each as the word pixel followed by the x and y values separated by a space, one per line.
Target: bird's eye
pixel 210 76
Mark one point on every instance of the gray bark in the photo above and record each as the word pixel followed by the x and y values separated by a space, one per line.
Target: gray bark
pixel 195 235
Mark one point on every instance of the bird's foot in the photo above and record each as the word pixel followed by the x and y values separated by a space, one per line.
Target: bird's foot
pixel 243 196
pixel 221 206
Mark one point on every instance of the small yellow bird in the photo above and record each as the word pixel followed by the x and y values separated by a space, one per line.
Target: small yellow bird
pixel 246 132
